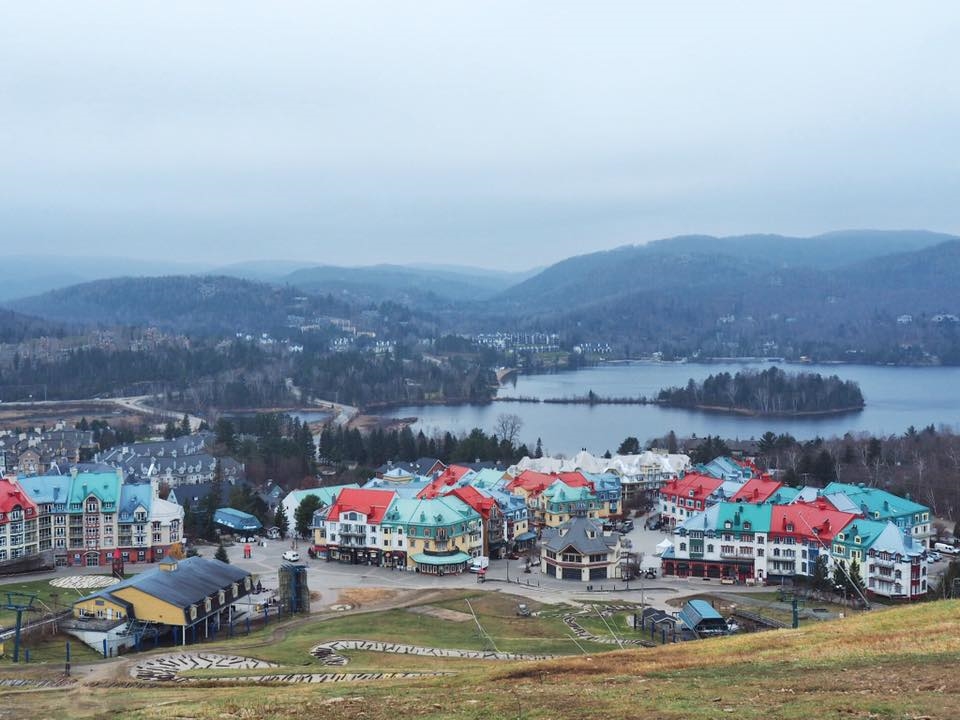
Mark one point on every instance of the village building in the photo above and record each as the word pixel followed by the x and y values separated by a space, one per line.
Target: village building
pixel 438 536
pixel 579 549
pixel 18 522
pixel 191 598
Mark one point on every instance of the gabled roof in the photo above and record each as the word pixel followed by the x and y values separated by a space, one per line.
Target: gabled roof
pixel 816 520
pixel 133 496
pixel 743 517
pixel 488 479
pixel 12 495
pixel 535 483
pixel 445 510
pixel 701 485
pixel 757 490
pixel 47 489
pixel 561 492
pixel 326 495
pixel 476 499
pixel 190 582
pixel 372 503
pixel 582 534
pixel 104 486
pixel 236 519
pixel 450 477
pixel 876 502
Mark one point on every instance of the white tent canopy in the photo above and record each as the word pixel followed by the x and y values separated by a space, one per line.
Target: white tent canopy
pixel 663 545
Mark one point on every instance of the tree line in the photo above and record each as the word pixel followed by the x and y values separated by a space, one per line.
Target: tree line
pixel 768 392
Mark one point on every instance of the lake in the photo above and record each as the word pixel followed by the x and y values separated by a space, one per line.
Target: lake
pixel 896 398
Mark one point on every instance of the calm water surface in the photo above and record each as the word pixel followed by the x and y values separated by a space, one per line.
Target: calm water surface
pixel 896 398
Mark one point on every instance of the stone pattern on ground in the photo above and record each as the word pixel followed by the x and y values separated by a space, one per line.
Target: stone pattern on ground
pixel 570 620
pixel 328 655
pixel 169 667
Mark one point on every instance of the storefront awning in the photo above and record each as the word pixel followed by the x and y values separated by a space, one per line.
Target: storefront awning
pixel 455 559
pixel 524 537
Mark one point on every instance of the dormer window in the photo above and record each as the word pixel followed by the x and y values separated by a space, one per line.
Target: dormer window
pixel 789 527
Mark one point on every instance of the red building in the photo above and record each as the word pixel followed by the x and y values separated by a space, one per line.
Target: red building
pixel 686 496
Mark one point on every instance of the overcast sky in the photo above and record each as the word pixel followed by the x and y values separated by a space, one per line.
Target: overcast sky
pixel 494 134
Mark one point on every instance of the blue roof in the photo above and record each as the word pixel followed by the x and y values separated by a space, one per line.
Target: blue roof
pixel 236 520
pixel 189 582
pixel 132 496
pixel 46 489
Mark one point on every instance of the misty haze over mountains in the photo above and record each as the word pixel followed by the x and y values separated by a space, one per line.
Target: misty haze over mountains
pixel 850 295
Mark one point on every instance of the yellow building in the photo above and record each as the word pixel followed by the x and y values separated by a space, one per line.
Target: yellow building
pixel 188 596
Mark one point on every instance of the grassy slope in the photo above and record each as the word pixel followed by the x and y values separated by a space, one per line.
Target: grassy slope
pixel 901 663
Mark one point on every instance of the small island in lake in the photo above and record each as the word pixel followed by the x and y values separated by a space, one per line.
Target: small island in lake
pixel 770 392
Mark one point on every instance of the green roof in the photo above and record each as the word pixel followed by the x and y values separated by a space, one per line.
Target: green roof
pixel 487 478
pixel 559 492
pixel 326 495
pixel 739 515
pixel 105 486
pixel 454 559
pixel 886 504
pixel 441 511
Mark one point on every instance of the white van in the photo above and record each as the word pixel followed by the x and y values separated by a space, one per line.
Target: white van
pixel 479 563
pixel 946 548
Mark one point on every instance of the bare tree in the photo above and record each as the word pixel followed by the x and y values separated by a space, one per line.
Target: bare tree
pixel 507 427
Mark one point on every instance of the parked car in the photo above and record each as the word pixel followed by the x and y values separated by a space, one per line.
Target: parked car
pixel 291 556
pixel 627 526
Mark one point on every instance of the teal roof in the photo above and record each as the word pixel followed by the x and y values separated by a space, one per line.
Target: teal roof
pixel 105 486
pixel 740 514
pixel 441 511
pixel 236 520
pixel 867 530
pixel 783 496
pixel 488 479
pixel 455 559
pixel 560 492
pixel 326 495
pixel 46 489
pixel 886 504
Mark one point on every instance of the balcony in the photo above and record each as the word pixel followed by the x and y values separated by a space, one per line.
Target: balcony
pixel 736 555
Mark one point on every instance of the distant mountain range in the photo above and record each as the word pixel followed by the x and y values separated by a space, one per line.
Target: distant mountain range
pixel 827 295
pixel 179 303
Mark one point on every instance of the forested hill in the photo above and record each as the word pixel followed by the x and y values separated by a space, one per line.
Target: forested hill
pixel 410 285
pixel 770 392
pixel 16 327
pixel 190 304
pixel 715 302
pixel 685 263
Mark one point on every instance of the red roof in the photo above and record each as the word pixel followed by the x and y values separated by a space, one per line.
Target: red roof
pixel 535 482
pixel 449 477
pixel 756 490
pixel 531 481
pixel 810 520
pixel 574 479
pixel 701 486
pixel 12 495
pixel 483 504
pixel 372 503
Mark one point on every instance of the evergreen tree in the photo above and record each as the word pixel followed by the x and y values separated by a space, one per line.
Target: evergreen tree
pixel 221 554
pixel 821 577
pixel 304 514
pixel 630 446
pixel 281 522
pixel 185 425
pixel 538 453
